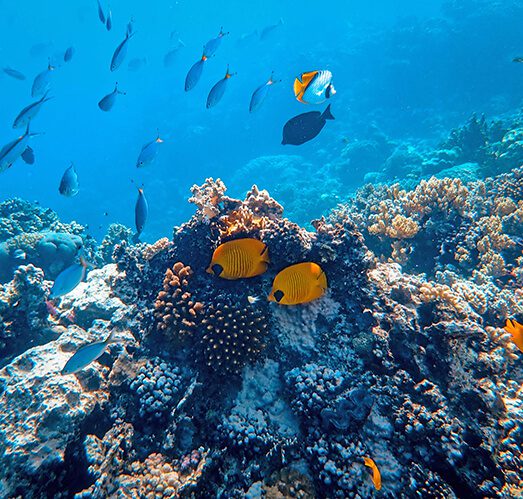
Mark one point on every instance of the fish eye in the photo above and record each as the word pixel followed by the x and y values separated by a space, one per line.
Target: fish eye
pixel 217 269
pixel 278 295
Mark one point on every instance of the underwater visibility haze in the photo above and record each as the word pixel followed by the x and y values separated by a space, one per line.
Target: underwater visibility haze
pixel 261 249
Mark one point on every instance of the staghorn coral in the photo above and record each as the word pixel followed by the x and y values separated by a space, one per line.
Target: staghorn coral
pixel 176 311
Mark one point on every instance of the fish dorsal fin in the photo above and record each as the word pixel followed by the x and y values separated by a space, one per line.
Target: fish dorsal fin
pixel 302 82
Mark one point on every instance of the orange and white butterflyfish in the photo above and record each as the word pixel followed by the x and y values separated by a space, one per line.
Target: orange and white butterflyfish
pixel 516 330
pixel 314 87
pixel 239 259
pixel 299 283
pixel 376 475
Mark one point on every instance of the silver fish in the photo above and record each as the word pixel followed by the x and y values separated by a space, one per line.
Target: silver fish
pixel 13 73
pixel 101 15
pixel 109 20
pixel 141 210
pixel 194 74
pixel 148 152
pixel 85 355
pixel 14 149
pixel 69 53
pixel 268 30
pixel 68 279
pixel 260 94
pixel 120 52
pixel 69 183
pixel 216 93
pixel 42 81
pixel 210 48
pixel 29 112
pixel 106 103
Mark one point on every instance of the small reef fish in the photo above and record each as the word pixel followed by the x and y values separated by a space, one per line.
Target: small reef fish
pixel 130 27
pixel 268 30
pixel 194 74
pixel 107 102
pixel 86 354
pixel 121 51
pixel 109 20
pixel 210 48
pixel 19 254
pixel 69 53
pixel 136 64
pixel 28 156
pixel 314 87
pixel 29 112
pixel 13 73
pixel 69 184
pixel 517 59
pixel 42 81
pixel 305 127
pixel 516 330
pixel 141 210
pixel 299 283
pixel 101 14
pixel 253 299
pixel 68 279
pixel 376 475
pixel 239 259
pixel 14 149
pixel 216 93
pixel 148 153
pixel 260 94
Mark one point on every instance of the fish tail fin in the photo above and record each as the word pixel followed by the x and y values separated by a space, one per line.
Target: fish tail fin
pixel 280 22
pixel 265 255
pixel 327 115
pixel 136 238
pixel 158 138
pixel 111 338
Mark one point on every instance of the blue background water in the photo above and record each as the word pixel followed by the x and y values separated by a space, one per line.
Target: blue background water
pixel 414 70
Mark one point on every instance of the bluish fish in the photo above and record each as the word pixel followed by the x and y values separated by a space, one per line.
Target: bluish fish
pixel 14 149
pixel 101 14
pixel 28 156
pixel 194 74
pixel 210 48
pixel 136 64
pixel 42 81
pixel 268 30
pixel 120 52
pixel 109 20
pixel 29 112
pixel 305 127
pixel 107 102
pixel 247 38
pixel 18 254
pixel 216 93
pixel 130 27
pixel 141 210
pixel 68 279
pixel 69 53
pixel 170 57
pixel 13 73
pixel 85 355
pixel 69 184
pixel 260 94
pixel 148 152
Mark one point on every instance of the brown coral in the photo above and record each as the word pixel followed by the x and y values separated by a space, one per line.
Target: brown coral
pixel 176 312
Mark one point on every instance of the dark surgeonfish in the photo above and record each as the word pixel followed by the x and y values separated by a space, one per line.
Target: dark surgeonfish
pixel 121 50
pixel 210 48
pixel 101 14
pixel 29 156
pixel 314 87
pixel 29 112
pixel 260 94
pixel 305 127
pixel 268 30
pixel 216 93
pixel 141 210
pixel 194 74
pixel 69 184
pixel 69 53
pixel 14 149
pixel 106 103
pixel 86 354
pixel 13 73
pixel 42 81
pixel 148 152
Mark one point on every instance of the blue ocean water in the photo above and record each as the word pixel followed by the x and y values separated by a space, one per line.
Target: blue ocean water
pixel 414 69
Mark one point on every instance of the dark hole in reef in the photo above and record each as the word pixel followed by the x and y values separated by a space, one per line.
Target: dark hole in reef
pixel 403 355
pixel 449 475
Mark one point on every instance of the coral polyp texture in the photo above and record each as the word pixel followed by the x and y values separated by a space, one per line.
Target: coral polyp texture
pixel 210 390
